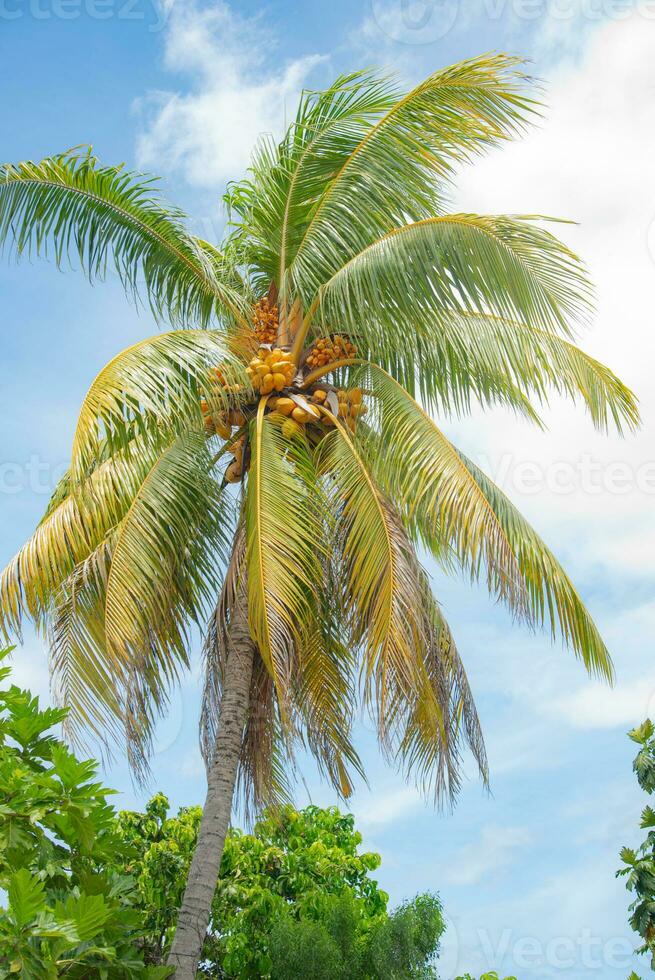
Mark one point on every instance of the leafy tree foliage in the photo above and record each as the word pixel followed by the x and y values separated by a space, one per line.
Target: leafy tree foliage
pixel 294 898
pixel 95 894
pixel 639 864
pixel 70 908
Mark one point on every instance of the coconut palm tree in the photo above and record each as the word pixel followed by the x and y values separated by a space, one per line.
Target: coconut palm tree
pixel 272 456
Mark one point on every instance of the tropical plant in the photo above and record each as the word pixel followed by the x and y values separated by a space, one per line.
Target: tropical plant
pixel 344 287
pixel 70 906
pixel 484 976
pixel 639 865
pixel 297 880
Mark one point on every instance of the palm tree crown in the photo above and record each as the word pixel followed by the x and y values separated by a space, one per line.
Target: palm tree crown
pixel 302 364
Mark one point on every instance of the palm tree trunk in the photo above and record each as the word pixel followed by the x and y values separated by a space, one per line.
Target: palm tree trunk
pixel 193 919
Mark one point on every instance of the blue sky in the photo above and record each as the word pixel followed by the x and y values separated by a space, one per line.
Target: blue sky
pixel 527 873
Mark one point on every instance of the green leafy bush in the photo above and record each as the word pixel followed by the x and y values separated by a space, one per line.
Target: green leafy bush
pixel 639 864
pixel 66 913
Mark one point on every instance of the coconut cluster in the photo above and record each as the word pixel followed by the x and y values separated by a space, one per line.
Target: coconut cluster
pixel 271 370
pixel 266 320
pixel 327 350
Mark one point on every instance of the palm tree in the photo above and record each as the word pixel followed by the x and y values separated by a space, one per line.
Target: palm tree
pixel 272 457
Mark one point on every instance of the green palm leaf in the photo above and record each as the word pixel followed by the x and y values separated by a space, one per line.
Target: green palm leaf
pixel 423 473
pixel 394 174
pixel 178 512
pixel 153 389
pixel 554 601
pixel 283 551
pixel 466 354
pixel 286 180
pixel 381 588
pixel 71 205
pixel 425 272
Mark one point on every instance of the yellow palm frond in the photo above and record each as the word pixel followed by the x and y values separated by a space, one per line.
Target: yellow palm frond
pixel 326 688
pixel 83 678
pixel 423 473
pixel 176 513
pixel 283 551
pixel 431 753
pixel 154 389
pixel 380 589
pixel 74 525
pixel 554 601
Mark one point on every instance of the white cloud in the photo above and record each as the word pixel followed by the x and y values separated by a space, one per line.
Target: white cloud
pixel 380 807
pixel 237 94
pixel 495 850
pixel 599 706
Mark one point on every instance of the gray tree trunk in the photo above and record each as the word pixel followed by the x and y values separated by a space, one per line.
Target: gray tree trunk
pixel 203 874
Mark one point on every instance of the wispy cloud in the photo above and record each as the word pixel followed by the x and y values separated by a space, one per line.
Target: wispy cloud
pixel 599 706
pixel 237 94
pixel 496 849
pixel 382 807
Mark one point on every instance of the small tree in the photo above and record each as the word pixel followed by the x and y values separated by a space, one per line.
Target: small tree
pixel 66 913
pixel 339 945
pixel 639 869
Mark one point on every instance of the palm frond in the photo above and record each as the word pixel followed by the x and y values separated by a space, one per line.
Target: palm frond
pixel 380 587
pixel 76 522
pixel 554 602
pixel 326 689
pixel 452 359
pixel 70 205
pixel 153 390
pixel 423 474
pixel 323 700
pixel 178 513
pixel 398 170
pixel 83 678
pixel 117 622
pixel 401 289
pixel 465 353
pixel 433 755
pixel 283 552
pixel 286 179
